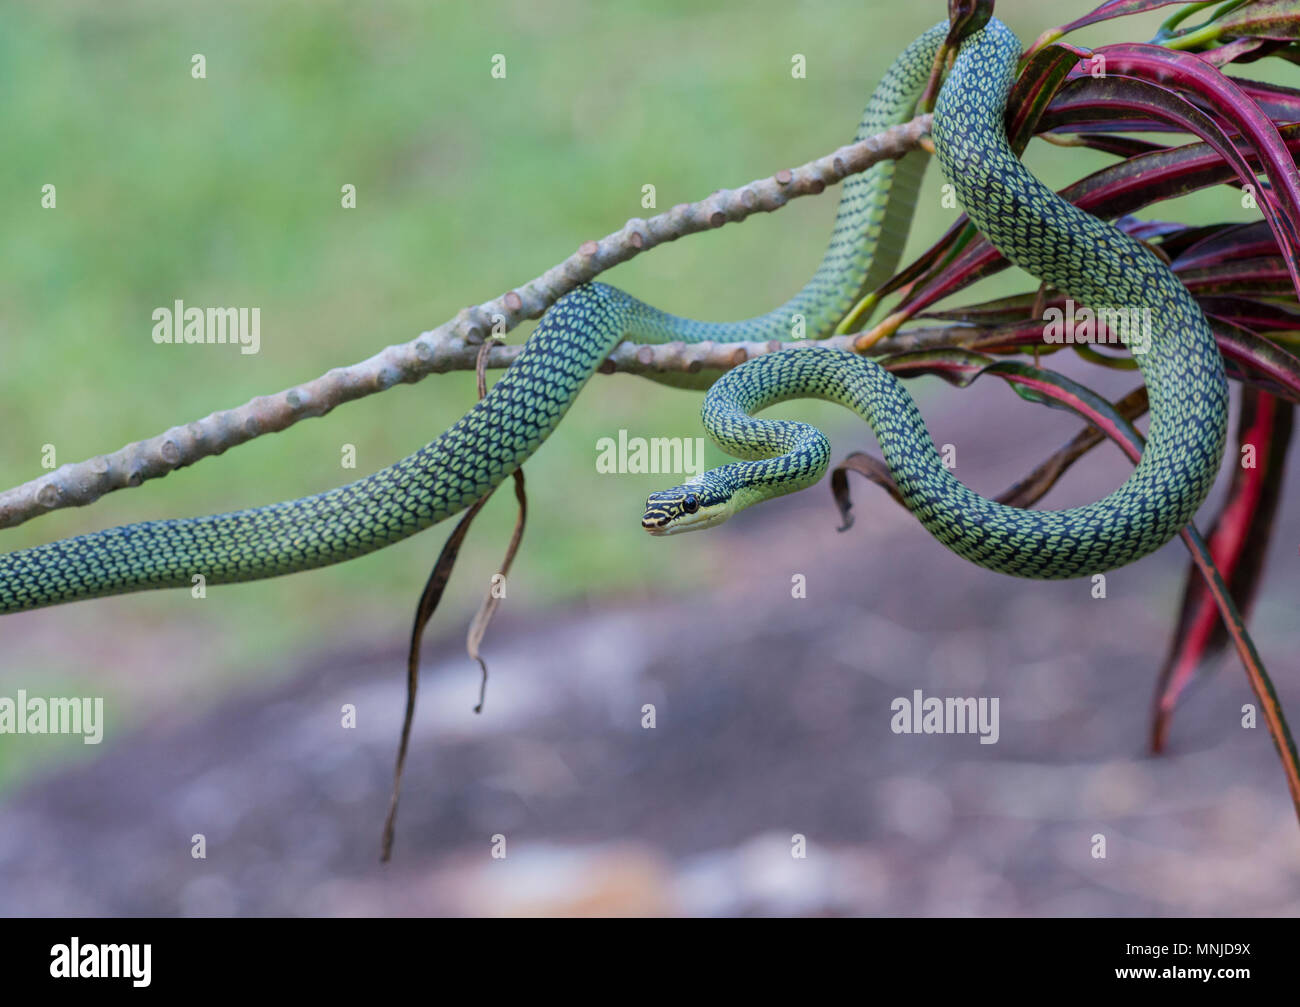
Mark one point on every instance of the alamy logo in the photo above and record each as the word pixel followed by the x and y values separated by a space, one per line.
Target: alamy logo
pixel 75 960
pixel 56 715
pixel 240 327
pixel 932 715
pixel 656 455
pixel 1130 326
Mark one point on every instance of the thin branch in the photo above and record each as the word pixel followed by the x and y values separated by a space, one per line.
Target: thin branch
pixel 451 346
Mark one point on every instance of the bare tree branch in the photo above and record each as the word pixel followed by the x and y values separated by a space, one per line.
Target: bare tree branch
pixel 452 345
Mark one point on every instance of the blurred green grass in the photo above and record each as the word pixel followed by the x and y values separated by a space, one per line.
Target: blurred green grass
pixel 226 191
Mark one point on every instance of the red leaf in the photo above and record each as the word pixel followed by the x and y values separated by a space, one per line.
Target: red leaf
pixel 1250 357
pixel 1237 541
pixel 1187 71
pixel 1116 8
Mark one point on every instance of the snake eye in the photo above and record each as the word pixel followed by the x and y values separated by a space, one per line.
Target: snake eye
pixel 690 504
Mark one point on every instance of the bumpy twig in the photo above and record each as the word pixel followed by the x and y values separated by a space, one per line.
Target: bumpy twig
pixel 451 346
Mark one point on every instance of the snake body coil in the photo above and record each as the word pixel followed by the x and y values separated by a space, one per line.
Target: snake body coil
pixel 1083 257
pixel 1031 225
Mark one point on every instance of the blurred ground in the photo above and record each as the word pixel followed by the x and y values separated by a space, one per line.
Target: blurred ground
pixel 772 718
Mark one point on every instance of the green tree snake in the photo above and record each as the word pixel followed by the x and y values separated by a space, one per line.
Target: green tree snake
pixel 1033 227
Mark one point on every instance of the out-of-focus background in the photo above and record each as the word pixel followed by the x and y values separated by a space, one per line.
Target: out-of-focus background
pixel 772 713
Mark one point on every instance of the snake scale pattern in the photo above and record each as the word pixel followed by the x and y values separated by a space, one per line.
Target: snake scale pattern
pixel 1082 256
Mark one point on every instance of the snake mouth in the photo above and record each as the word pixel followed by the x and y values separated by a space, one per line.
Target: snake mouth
pixel 656 524
pixel 661 524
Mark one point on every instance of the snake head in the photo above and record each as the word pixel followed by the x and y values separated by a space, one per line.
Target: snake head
pixel 701 503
